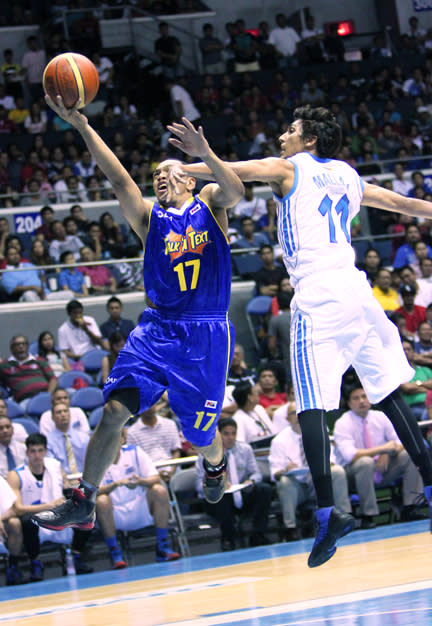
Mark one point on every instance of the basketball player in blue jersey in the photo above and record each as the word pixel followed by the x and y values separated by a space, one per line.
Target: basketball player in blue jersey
pixel 336 321
pixel 183 342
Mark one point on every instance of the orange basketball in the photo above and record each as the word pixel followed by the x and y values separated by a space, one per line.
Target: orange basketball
pixel 71 76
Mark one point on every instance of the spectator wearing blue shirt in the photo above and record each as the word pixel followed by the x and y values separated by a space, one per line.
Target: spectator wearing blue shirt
pixel 405 254
pixel 25 285
pixel 70 278
pixel 72 461
pixel 249 238
pixel 115 322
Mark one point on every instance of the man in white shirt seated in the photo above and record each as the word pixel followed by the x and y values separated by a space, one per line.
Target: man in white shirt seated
pixel 79 334
pixel 19 432
pixel 158 437
pixel 289 468
pixel 251 418
pixel 253 496
pixel 38 485
pixel 12 451
pixel 77 416
pixel 369 449
pixel 7 499
pixel 132 496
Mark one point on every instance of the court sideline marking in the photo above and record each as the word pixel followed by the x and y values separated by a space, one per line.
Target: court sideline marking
pixel 248 614
pixel 155 593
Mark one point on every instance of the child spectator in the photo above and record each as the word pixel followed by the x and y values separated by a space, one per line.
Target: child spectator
pixel 70 277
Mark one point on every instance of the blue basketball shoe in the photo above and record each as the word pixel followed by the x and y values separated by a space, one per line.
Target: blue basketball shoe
pixel 330 526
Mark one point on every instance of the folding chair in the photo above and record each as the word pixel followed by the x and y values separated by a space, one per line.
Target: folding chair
pixel 184 499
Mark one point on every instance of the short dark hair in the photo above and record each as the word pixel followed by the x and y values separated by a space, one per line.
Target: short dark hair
pixel 64 255
pixel 265 246
pixel 226 421
pixel 319 122
pixel 410 341
pixel 349 388
pixel 284 299
pixel 36 439
pixel 241 392
pixel 72 305
pixel 46 209
pixel 114 300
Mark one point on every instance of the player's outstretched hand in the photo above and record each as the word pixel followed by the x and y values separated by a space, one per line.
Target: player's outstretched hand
pixel 188 138
pixel 72 115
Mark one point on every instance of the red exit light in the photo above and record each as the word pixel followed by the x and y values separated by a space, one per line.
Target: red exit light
pixel 344 28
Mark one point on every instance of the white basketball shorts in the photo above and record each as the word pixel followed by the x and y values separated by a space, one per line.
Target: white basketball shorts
pixel 337 322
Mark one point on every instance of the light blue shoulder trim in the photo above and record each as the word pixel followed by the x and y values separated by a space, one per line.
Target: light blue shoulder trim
pixel 293 188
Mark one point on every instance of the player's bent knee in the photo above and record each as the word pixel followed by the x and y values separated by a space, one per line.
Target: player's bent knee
pixel 160 491
pixel 103 503
pixel 14 524
pixel 114 416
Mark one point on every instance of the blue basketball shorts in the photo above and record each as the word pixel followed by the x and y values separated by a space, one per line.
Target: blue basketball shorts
pixel 189 358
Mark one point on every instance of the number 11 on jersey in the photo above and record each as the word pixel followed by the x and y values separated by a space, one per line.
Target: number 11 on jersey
pixel 341 209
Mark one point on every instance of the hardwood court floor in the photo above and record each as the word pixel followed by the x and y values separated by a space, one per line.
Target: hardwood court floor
pixel 377 577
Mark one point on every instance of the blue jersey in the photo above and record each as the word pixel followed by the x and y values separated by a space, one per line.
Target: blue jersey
pixel 187 262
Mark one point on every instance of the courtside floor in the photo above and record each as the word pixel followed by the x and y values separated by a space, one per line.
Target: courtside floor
pixel 377 577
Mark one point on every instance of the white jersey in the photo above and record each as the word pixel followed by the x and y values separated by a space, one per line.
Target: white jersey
pixel 314 218
pixel 131 509
pixel 35 491
pixel 50 488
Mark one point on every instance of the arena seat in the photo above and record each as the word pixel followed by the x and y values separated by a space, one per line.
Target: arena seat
pixel 67 379
pixel 87 398
pixel 40 403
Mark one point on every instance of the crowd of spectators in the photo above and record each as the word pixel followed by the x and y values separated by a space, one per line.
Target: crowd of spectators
pixel 251 85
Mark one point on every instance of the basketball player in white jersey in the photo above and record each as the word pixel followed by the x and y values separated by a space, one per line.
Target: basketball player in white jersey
pixel 336 321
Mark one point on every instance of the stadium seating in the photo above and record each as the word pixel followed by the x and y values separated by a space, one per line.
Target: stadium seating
pixel 87 398
pixel 40 403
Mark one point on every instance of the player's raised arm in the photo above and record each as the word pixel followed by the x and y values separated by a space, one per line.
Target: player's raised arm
pixel 388 200
pixel 134 206
pixel 229 189
pixel 270 169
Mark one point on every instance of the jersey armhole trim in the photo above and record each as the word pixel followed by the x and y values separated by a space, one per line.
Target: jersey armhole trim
pixel 294 186
pixel 214 217
pixel 150 215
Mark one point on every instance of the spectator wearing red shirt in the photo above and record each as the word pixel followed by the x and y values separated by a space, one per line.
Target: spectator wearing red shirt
pixel 6 125
pixel 101 279
pixel 25 374
pixel 269 398
pixel 44 232
pixel 413 313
